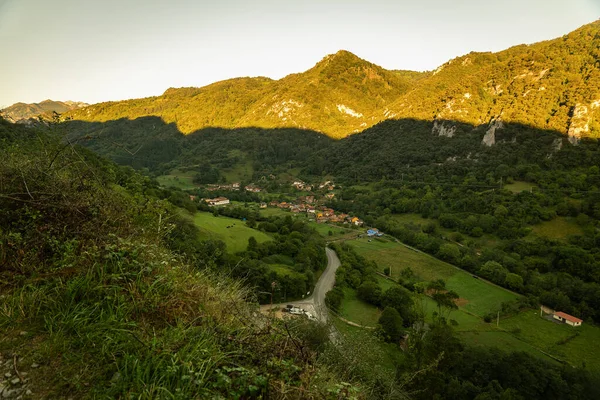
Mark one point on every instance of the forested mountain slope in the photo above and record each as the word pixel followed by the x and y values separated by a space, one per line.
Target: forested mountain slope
pixel 340 95
pixel 549 85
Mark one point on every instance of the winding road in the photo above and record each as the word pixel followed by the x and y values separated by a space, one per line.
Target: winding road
pixel 315 303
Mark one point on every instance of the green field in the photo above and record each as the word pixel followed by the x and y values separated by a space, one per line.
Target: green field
pixel 235 237
pixel 355 310
pixel 178 180
pixel 558 228
pixel 573 344
pixel 275 212
pixel 478 296
pixel 338 232
pixel 519 186
pixel 241 172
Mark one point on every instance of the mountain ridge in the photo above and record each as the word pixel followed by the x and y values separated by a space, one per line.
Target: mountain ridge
pixel 553 84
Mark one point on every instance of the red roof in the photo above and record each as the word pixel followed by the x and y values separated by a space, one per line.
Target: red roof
pixel 567 317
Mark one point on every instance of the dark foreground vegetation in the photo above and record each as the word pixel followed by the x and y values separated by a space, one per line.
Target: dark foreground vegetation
pixel 94 303
pixel 99 264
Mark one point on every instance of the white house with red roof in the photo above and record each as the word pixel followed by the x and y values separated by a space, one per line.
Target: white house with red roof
pixel 567 319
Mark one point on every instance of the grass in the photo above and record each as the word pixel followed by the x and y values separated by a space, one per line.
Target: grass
pixel 481 297
pixel 357 311
pixel 241 172
pixel 501 340
pixel 235 237
pixel 367 350
pixel 283 270
pixel 558 228
pixel 178 180
pixel 519 186
pixel 573 344
pixel 338 232
pixel 275 212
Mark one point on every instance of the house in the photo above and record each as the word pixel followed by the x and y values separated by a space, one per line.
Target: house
pixel 192 197
pixel 298 185
pixel 252 189
pixel 273 203
pixel 330 195
pixel 356 221
pixel 322 185
pixel 567 319
pixel 235 185
pixel 263 205
pixel 217 201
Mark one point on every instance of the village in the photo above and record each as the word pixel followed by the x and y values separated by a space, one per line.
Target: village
pixel 312 205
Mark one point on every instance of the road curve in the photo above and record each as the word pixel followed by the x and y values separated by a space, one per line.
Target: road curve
pixel 315 303
pixel 325 284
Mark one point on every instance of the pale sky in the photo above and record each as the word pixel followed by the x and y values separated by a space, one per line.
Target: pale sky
pixel 98 50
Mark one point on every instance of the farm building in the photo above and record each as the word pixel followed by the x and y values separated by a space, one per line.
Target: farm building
pixel 374 232
pixel 217 201
pixel 567 319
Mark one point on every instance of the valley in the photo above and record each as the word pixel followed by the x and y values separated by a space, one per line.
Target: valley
pixel 441 228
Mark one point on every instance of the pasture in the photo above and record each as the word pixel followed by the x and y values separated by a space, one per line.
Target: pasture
pixel 559 228
pixel 232 231
pixel 177 179
pixel 478 296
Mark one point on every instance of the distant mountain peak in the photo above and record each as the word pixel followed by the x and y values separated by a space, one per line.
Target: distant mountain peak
pixel 23 112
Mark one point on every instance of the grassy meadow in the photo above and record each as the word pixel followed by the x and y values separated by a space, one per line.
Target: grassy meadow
pixel 235 237
pixel 477 296
pixel 177 179
pixel 559 228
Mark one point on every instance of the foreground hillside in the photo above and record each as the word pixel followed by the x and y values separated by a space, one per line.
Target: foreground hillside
pixel 96 305
pixel 548 85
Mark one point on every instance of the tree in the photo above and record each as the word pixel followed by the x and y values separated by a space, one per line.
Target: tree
pixel 252 243
pixel 370 292
pixel 334 298
pixel 399 299
pixel 494 271
pixel 391 324
pixel 449 252
pixel 514 281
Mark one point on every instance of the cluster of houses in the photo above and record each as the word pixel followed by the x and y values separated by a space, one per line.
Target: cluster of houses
pixel 300 185
pixel 320 213
pixel 233 186
pixel 560 316
pixel 229 186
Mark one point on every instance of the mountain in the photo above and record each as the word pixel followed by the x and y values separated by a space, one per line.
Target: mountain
pixel 341 94
pixel 549 85
pixel 22 112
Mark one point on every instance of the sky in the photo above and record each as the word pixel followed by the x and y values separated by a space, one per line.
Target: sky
pixel 100 50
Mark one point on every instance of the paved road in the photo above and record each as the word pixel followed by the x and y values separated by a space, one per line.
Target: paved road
pixel 315 303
